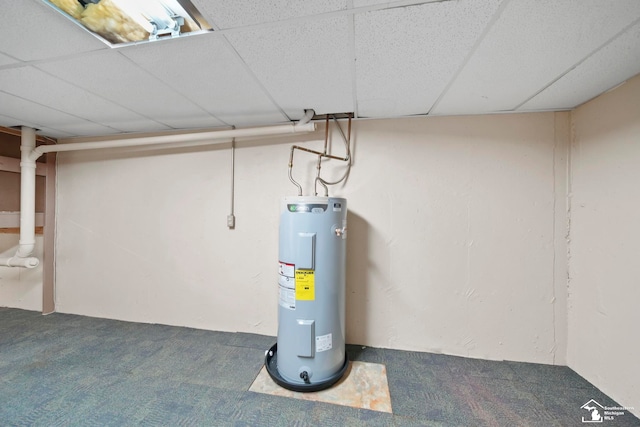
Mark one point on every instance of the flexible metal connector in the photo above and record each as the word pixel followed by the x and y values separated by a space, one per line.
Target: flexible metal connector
pixel 291 172
pixel 324 155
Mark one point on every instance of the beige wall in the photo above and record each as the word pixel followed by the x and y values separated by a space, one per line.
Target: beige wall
pixel 456 235
pixel 604 261
pixel 10 192
pixel 457 222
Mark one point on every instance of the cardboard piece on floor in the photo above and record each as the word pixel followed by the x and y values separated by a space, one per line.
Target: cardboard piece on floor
pixel 364 385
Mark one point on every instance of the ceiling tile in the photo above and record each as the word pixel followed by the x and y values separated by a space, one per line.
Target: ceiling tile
pixel 6 60
pixel 32 114
pixel 419 38
pixel 193 121
pixel 37 86
pixel 41 130
pixel 530 45
pixel 9 121
pixel 134 123
pixel 610 66
pixel 116 78
pixel 53 133
pixel 55 35
pixel 239 13
pixel 217 80
pixel 85 128
pixel 39 116
pixel 364 3
pixel 302 65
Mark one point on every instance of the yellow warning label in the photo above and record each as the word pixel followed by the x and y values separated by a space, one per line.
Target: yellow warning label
pixel 305 285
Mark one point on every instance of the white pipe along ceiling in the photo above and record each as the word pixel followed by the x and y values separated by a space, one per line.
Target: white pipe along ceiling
pixel 29 155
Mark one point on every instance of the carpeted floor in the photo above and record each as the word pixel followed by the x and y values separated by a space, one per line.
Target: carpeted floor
pixel 66 370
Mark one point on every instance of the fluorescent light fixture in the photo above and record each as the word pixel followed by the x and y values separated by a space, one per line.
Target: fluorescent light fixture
pixel 118 22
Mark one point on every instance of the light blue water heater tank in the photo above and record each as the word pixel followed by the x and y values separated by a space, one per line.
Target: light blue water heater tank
pixel 310 351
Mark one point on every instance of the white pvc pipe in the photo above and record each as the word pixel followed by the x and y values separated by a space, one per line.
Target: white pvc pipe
pixel 27 204
pixel 182 139
pixel 308 115
pixel 15 261
pixel 29 155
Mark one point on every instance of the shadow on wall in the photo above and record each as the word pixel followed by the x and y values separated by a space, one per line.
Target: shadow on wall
pixel 357 286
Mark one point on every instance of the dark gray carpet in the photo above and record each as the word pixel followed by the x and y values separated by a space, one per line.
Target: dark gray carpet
pixel 66 370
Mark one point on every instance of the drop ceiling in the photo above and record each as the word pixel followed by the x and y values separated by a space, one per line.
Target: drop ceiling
pixel 267 61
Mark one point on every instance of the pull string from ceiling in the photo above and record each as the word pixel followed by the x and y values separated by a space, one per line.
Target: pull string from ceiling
pixel 325 155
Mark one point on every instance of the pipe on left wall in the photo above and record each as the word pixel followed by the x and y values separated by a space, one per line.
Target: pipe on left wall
pixel 29 154
pixel 27 241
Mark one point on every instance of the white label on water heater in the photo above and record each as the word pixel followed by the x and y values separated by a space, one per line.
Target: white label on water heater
pixel 287 286
pixel 324 343
pixel 285 269
pixel 287 298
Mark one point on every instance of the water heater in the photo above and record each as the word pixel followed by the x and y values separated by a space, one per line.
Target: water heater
pixel 310 351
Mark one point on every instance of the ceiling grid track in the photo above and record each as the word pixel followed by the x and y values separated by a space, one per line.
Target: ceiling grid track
pixel 173 89
pixel 51 108
pixel 577 64
pixel 472 51
pixel 236 54
pixel 323 15
pixel 255 78
pixel 60 58
pixel 99 96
